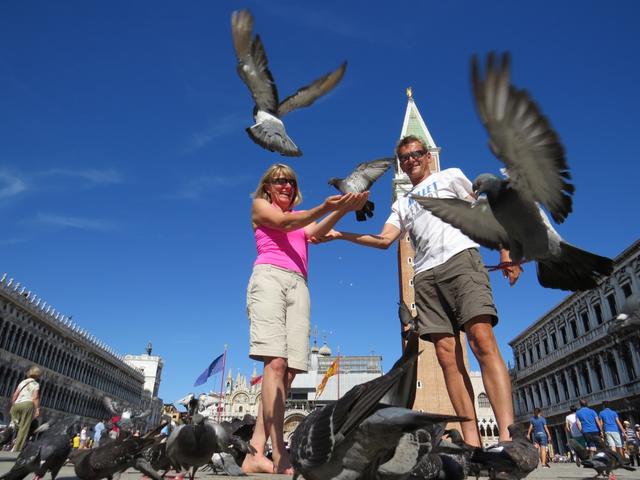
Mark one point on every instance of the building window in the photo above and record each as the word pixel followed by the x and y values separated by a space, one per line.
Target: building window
pixel 611 300
pixel 598 311
pixel 411 282
pixel 626 289
pixel 585 321
pixel 413 306
pixel 538 351
pixel 563 334
pixel 574 328
pixel 530 355
pixel 524 360
pixel 545 345
pixel 554 341
pixel 419 385
pixel 483 401
pixel 518 363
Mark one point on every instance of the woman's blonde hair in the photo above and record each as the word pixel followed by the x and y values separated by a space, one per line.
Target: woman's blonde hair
pixel 277 170
pixel 34 372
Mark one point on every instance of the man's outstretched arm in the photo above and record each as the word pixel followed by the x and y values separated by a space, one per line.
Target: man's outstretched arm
pixel 383 240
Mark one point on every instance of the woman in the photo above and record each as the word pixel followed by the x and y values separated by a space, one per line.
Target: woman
pixel 541 435
pixel 278 300
pixel 25 405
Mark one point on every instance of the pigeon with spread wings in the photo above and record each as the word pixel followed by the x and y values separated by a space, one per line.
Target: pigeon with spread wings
pixel 269 131
pixel 361 180
pixel 537 174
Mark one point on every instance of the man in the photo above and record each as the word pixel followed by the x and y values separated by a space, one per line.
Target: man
pixel 451 286
pixel 589 424
pixel 97 433
pixel 571 427
pixel 612 428
pixel 541 435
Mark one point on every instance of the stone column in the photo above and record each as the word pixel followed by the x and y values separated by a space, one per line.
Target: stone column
pixel 608 378
pixel 593 377
pixel 622 370
pixel 635 357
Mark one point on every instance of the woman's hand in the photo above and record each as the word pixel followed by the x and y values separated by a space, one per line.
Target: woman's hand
pixel 346 202
pixel 36 412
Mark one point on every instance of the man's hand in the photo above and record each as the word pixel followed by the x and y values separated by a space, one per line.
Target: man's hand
pixel 512 272
pixel 330 235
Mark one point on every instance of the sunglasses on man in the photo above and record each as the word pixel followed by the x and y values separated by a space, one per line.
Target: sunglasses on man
pixel 416 154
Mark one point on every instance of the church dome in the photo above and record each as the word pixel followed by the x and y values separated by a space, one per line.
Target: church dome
pixel 325 351
pixel 315 348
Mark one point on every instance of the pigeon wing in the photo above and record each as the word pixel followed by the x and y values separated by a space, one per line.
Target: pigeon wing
pixel 366 174
pixel 110 405
pixel 522 138
pixel 252 62
pixel 305 96
pixel 475 220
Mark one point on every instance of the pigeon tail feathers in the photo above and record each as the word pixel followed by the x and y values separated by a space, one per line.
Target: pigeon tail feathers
pixel 269 133
pixel 574 269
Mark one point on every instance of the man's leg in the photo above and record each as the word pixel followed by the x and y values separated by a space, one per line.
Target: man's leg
pixel 495 376
pixel 456 378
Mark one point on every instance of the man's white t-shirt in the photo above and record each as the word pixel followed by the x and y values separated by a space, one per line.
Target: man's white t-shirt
pixel 433 240
pixel 573 426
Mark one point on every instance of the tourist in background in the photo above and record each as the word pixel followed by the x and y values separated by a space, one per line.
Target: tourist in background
pixel 571 427
pixel 541 435
pixel 25 405
pixel 612 428
pixel 97 433
pixel 631 443
pixel 589 425
pixel 278 303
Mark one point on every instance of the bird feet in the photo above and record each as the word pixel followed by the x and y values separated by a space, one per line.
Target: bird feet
pixel 506 265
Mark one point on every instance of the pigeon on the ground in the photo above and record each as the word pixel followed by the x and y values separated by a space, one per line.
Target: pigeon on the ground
pixel 114 457
pixel 223 462
pixel 512 460
pixel 361 180
pixel 47 452
pixel 510 216
pixel 240 432
pixel 6 434
pixel 459 462
pixel 192 445
pixel 629 315
pixel 603 461
pixel 269 131
pixel 359 437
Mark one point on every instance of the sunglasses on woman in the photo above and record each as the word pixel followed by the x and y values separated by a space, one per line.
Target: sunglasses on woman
pixel 284 181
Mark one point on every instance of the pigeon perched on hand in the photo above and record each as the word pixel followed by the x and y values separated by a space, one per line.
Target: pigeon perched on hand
pixel 361 180
pixel 360 438
pixel 269 131
pixel 513 460
pixel 510 216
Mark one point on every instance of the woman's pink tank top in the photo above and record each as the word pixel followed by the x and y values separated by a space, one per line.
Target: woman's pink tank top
pixel 288 250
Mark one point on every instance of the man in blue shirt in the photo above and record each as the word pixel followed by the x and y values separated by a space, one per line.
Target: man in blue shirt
pixel 589 424
pixel 612 427
pixel 98 429
pixel 541 435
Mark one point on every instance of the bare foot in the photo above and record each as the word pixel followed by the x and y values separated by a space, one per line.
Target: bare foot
pixel 257 464
pixel 283 467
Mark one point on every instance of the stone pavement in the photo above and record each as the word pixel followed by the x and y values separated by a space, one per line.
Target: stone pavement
pixel 558 471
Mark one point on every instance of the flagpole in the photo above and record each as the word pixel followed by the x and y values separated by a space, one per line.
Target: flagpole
pixel 220 397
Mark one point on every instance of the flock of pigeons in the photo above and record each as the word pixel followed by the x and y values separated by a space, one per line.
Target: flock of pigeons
pixel 369 433
pixel 509 216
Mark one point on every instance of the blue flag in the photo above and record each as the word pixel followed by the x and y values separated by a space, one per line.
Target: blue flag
pixel 215 367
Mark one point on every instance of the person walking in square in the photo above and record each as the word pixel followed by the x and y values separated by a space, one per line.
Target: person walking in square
pixel 541 435
pixel 612 428
pixel 25 405
pixel 589 424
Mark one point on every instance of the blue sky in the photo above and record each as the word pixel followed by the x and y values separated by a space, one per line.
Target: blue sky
pixel 125 171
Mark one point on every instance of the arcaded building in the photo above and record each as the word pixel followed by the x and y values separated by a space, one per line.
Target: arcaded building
pixel 78 369
pixel 572 352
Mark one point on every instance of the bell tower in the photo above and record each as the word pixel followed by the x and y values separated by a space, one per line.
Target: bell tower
pixel 431 392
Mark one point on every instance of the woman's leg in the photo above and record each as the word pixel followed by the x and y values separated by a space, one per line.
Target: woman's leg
pixel 23 416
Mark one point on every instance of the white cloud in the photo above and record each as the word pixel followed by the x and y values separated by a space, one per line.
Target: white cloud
pixel 197 187
pixel 79 223
pixel 93 175
pixel 10 185
pixel 219 128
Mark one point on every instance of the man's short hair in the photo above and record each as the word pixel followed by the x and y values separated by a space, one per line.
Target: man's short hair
pixel 411 139
pixel 605 404
pixel 573 409
pixel 536 411
pixel 583 402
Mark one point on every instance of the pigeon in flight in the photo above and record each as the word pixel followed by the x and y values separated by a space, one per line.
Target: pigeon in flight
pixel 629 315
pixel 513 460
pixel 269 131
pixel 360 438
pixel 603 461
pixel 510 216
pixel 361 180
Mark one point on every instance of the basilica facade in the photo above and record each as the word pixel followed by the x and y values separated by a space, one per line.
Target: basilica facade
pixel 575 352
